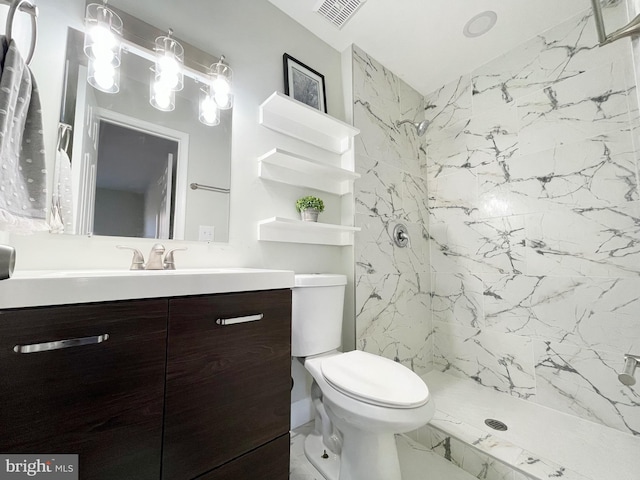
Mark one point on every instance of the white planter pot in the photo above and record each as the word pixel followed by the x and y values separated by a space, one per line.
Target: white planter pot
pixel 309 215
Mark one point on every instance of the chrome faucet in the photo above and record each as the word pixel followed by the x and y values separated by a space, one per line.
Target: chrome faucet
pixel 155 258
pixel 155 262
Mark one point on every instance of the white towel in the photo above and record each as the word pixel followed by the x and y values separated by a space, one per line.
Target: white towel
pixel 61 220
pixel 23 180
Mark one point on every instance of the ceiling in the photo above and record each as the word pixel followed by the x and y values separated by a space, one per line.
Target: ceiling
pixel 422 42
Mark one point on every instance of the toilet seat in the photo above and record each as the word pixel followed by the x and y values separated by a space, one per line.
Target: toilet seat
pixel 375 380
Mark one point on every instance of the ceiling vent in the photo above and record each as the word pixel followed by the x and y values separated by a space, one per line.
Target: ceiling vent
pixel 338 12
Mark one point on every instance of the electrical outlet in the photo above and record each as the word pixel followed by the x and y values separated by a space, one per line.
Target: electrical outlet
pixel 205 233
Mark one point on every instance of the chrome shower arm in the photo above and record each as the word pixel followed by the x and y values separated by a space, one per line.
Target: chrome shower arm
pixel 630 29
pixel 627 376
pixel 420 127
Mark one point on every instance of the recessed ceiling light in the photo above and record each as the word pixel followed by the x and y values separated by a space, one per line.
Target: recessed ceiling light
pixel 480 24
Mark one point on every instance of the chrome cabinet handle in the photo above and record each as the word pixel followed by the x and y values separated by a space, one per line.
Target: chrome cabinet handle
pixel 60 344
pixel 235 320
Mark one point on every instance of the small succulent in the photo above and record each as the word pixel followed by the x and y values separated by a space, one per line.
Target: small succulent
pixel 309 202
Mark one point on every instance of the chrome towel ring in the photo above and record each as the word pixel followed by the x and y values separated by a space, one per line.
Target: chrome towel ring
pixel 32 11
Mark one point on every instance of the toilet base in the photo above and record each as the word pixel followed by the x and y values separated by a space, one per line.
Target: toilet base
pixel 368 456
pixel 314 449
pixel 360 465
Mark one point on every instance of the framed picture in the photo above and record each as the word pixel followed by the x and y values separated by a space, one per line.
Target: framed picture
pixel 304 83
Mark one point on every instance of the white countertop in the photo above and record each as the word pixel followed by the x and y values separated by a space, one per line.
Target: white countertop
pixel 49 287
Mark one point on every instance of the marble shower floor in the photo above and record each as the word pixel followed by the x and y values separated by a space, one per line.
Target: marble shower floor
pixel 416 461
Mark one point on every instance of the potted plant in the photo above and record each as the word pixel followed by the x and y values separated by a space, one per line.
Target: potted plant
pixel 309 208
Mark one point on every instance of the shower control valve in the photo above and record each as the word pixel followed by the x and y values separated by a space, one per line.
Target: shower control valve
pixel 401 235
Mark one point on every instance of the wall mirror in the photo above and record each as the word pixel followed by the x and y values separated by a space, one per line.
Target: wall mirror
pixel 137 171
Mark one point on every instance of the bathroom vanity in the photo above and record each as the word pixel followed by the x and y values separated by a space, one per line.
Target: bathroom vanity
pixel 172 387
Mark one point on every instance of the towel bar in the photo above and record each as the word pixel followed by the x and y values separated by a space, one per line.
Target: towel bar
pixel 32 10
pixel 195 186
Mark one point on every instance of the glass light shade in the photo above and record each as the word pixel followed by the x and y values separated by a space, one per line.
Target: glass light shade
pixel 223 101
pixel 209 111
pixel 221 84
pixel 103 32
pixel 104 76
pixel 169 61
pixel 160 95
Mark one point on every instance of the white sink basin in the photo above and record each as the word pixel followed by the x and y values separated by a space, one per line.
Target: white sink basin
pixel 58 287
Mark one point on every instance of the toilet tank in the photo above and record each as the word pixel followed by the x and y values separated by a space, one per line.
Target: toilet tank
pixel 316 315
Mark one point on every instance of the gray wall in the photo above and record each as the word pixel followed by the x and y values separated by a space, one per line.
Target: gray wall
pixel 253 34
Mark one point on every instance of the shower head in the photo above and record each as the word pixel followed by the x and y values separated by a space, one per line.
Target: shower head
pixel 420 127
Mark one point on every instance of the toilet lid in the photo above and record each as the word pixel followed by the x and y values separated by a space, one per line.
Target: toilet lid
pixel 374 379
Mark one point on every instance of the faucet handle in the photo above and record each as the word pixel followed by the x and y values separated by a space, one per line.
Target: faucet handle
pixel 137 263
pixel 169 261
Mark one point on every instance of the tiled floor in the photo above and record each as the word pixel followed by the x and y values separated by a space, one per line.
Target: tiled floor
pixel 417 462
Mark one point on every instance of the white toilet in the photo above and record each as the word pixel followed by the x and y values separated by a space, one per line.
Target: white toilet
pixel 368 398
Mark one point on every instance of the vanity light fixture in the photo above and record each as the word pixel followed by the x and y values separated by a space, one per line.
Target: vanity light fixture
pixel 209 111
pixel 102 44
pixel 169 62
pixel 167 77
pixel 104 40
pixel 161 96
pixel 216 93
pixel 221 83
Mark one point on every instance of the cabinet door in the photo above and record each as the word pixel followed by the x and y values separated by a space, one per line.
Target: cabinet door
pixel 269 462
pixel 228 386
pixel 99 395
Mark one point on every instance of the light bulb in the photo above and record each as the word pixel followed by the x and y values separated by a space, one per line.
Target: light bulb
pixel 221 86
pixel 168 71
pixel 160 88
pixel 104 75
pixel 101 35
pixel 209 110
pixel 162 95
pixel 222 100
pixel 101 53
pixel 168 65
pixel 169 79
pixel 163 100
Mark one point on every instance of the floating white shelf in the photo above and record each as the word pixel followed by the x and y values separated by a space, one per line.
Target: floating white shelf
pixel 278 229
pixel 285 115
pixel 292 169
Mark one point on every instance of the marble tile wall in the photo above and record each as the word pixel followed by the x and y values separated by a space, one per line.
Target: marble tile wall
pixel 467 456
pixel 523 208
pixel 534 223
pixel 393 285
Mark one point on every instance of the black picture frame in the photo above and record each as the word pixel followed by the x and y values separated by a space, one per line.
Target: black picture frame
pixel 304 84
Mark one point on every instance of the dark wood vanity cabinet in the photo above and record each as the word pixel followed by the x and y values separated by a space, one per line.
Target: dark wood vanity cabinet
pixel 228 387
pixel 170 388
pixel 265 463
pixel 86 379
